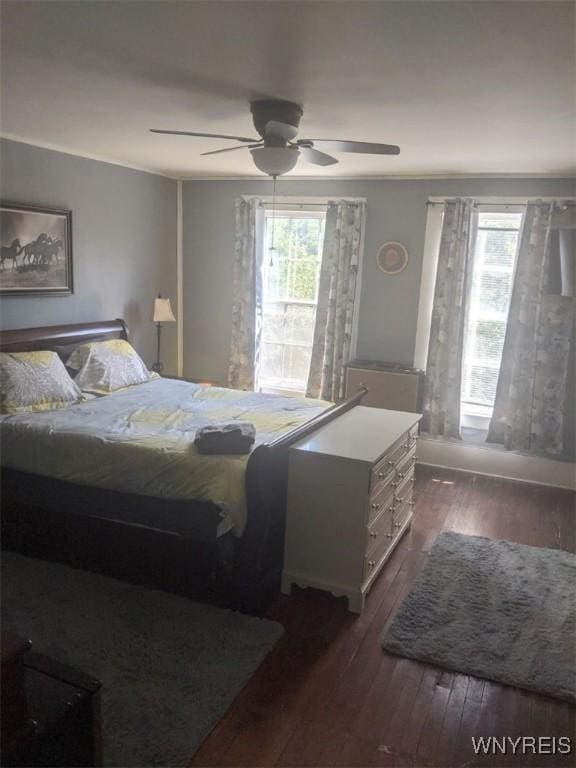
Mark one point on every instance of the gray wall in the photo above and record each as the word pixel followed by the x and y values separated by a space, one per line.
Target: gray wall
pixel 388 305
pixel 123 236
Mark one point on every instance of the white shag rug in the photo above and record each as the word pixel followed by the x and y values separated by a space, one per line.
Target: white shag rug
pixel 495 610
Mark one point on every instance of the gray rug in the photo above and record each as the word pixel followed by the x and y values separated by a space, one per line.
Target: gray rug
pixel 496 610
pixel 170 667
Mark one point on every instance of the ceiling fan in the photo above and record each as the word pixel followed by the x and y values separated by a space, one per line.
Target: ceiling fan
pixel 277 150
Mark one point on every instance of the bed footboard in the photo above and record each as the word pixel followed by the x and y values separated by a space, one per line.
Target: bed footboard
pixel 261 549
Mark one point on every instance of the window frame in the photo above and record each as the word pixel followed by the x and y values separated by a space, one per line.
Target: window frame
pixel 297 210
pixel 476 415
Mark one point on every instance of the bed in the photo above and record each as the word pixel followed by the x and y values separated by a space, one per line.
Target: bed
pixel 114 484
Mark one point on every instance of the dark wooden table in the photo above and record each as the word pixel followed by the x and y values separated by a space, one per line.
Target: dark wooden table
pixel 57 717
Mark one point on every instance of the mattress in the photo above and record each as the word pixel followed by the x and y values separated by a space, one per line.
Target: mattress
pixel 141 441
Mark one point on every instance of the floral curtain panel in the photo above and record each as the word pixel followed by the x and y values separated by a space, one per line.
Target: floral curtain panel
pixel 531 393
pixel 336 296
pixel 247 299
pixel 441 402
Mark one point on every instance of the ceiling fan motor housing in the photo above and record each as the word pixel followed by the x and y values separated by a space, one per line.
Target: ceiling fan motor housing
pixel 266 110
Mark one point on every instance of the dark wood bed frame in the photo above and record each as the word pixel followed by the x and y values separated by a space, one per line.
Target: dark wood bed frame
pixel 163 543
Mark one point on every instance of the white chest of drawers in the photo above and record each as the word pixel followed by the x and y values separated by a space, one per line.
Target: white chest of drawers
pixel 349 501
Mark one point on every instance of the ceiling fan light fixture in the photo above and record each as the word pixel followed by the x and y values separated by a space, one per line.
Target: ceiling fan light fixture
pixel 275 161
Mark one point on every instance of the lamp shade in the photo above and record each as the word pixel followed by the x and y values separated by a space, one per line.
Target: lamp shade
pixel 163 311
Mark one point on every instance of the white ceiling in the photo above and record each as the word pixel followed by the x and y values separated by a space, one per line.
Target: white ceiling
pixel 463 87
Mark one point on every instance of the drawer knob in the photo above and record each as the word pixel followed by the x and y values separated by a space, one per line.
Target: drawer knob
pixel 401 475
pixel 380 475
pixel 371 563
pixel 413 479
pixel 393 485
pixel 375 506
pixel 389 535
pixel 411 503
pixel 397 525
pixel 390 463
pixel 392 508
pixel 400 499
pixel 373 535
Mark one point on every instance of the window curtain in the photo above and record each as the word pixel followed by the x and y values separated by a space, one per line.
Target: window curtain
pixel 531 392
pixel 441 400
pixel 336 296
pixel 247 298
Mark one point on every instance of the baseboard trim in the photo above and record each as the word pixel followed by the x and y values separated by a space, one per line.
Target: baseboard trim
pixel 495 463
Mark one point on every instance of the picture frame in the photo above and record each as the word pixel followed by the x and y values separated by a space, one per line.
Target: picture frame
pixel 392 258
pixel 36 250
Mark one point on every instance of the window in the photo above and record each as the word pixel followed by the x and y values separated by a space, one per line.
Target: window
pixel 495 243
pixel 290 290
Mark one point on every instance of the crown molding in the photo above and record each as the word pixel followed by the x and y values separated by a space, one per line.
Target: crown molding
pixel 262 177
pixel 85 155
pixel 395 177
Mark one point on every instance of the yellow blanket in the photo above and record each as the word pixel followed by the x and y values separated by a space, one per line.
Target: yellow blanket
pixel 141 440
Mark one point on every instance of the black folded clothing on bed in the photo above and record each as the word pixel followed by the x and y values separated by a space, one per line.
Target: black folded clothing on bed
pixel 236 437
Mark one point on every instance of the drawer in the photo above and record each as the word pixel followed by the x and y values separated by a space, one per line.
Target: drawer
pixel 374 556
pixel 393 481
pixel 413 435
pixel 403 491
pixel 402 481
pixel 400 514
pixel 403 469
pixel 392 517
pixel 388 537
pixel 382 472
pixel 386 466
pixel 380 528
pixel 382 497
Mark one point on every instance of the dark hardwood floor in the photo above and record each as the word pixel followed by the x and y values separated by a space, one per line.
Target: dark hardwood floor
pixel 328 695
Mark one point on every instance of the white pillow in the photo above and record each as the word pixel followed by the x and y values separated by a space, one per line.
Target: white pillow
pixel 35 381
pixel 105 366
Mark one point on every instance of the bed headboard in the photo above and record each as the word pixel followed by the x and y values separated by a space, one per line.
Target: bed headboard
pixel 61 338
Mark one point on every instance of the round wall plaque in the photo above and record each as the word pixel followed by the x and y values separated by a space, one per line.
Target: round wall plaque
pixel 392 258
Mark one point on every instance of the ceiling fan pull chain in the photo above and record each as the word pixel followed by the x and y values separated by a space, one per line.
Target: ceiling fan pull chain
pixel 272 248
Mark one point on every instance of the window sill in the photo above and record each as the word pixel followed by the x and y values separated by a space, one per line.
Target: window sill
pixel 564 458
pixel 285 392
pixel 475 417
pixel 473 436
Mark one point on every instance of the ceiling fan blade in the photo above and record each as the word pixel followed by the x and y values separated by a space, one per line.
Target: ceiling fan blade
pixel 360 147
pixel 231 149
pixel 205 135
pixel 316 157
pixel 281 130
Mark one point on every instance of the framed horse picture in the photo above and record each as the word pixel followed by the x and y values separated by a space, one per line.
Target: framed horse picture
pixel 36 255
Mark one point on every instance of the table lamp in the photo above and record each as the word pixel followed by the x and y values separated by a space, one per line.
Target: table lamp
pixel 162 314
